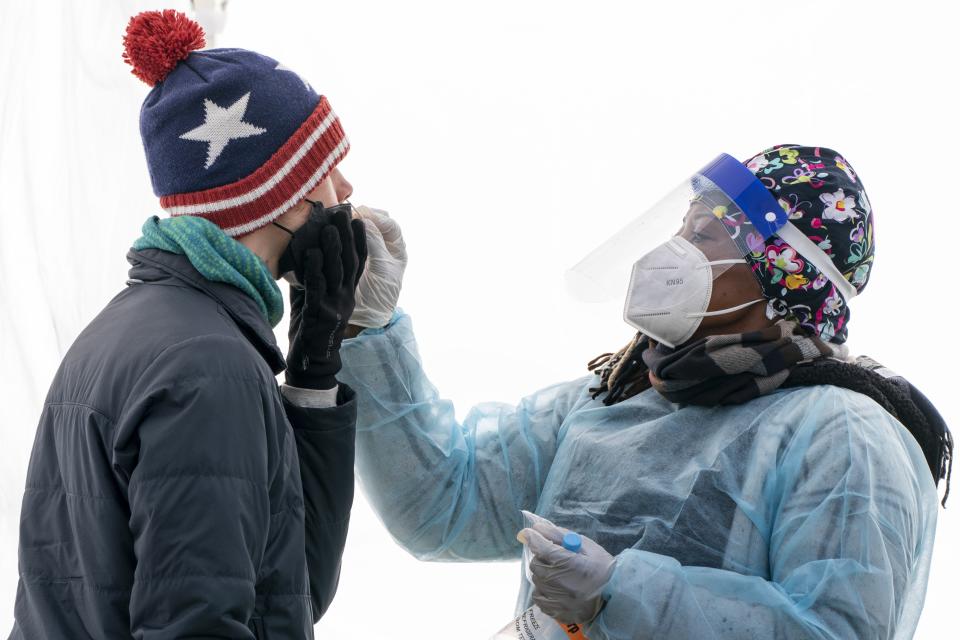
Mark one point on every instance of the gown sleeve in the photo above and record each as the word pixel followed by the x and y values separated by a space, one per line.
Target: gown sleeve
pixel 447 490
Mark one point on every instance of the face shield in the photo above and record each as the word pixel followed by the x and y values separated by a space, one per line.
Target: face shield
pixel 668 258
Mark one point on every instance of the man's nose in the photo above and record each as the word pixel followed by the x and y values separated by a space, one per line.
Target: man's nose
pixel 343 187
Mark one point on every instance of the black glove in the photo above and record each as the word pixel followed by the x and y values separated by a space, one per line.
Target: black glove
pixel 327 255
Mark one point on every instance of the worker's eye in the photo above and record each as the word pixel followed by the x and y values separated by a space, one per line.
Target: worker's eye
pixel 696 236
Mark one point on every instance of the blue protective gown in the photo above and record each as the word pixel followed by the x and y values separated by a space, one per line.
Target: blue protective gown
pixel 806 513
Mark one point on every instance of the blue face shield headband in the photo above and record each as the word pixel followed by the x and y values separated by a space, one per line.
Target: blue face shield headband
pixel 765 214
pixel 717 209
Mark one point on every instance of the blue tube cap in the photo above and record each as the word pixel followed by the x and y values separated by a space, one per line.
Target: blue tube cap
pixel 572 542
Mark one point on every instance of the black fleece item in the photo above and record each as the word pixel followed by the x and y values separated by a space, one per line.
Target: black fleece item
pixel 328 254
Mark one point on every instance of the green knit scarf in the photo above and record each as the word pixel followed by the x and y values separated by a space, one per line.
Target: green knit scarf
pixel 217 256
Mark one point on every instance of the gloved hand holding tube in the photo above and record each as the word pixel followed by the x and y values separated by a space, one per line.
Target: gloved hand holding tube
pixel 326 256
pixel 567 585
pixel 379 287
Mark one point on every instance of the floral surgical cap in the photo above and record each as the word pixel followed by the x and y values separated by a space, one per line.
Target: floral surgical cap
pixel 825 199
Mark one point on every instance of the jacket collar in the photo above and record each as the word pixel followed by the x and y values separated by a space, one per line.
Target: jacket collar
pixel 163 267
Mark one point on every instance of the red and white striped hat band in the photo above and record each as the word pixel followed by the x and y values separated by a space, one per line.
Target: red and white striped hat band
pixel 304 160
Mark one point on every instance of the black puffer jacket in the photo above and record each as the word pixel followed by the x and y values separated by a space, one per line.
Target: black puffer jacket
pixel 172 491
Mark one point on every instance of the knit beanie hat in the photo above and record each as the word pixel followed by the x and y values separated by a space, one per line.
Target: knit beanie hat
pixel 826 201
pixel 230 135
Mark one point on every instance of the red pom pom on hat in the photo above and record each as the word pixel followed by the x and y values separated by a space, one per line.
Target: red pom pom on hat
pixel 157 40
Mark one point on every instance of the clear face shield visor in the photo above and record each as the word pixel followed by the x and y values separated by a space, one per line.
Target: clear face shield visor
pixel 668 258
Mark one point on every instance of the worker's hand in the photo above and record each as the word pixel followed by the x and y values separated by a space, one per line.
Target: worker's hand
pixel 380 284
pixel 567 586
pixel 328 255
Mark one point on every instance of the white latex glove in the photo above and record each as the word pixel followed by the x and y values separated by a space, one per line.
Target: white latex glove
pixel 379 287
pixel 566 586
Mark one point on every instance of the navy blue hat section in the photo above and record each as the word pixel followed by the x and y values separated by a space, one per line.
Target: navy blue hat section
pixel 230 135
pixel 219 116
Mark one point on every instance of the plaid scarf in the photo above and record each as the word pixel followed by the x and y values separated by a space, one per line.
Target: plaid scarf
pixel 735 368
pixel 723 369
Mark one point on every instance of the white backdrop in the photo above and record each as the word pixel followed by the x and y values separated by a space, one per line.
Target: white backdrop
pixel 509 138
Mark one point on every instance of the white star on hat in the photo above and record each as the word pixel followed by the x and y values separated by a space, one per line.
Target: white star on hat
pixel 282 67
pixel 221 125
